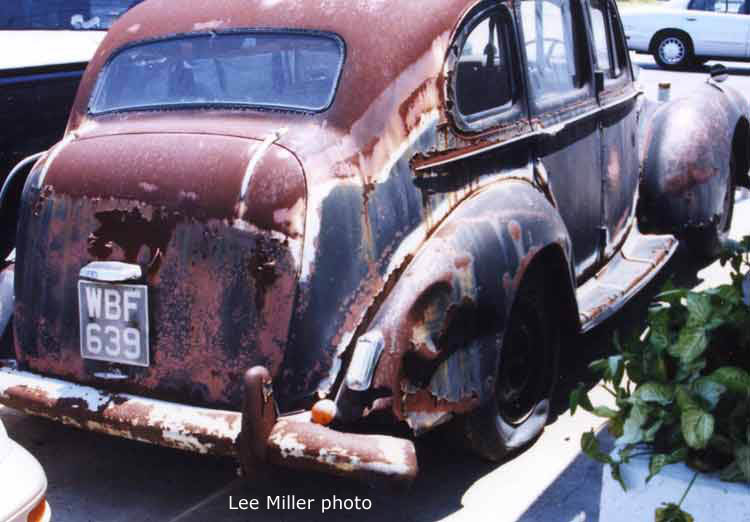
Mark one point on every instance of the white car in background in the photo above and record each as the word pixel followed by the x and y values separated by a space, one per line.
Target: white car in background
pixel 684 33
pixel 23 484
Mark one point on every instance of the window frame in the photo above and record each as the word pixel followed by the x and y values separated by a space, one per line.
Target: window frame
pixel 507 113
pixel 556 102
pixel 99 84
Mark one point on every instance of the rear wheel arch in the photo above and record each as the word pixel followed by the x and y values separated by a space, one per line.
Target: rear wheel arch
pixel 453 302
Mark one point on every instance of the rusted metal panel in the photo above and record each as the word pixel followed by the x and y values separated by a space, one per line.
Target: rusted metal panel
pixel 686 149
pixel 148 420
pixel 221 285
pixel 443 321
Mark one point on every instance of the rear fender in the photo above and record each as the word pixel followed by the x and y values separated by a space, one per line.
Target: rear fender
pixel 686 149
pixel 441 324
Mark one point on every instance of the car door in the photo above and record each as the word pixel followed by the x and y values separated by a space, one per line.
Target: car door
pixel 717 27
pixel 617 122
pixel 563 111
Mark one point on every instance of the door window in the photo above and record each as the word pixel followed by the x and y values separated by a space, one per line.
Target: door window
pixel 484 73
pixel 550 48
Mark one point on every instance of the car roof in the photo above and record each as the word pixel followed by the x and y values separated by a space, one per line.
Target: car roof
pixel 383 38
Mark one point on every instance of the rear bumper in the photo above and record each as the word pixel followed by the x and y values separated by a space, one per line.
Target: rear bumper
pixel 255 435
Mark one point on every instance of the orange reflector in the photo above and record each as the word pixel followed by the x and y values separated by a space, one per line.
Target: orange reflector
pixel 323 412
pixel 38 514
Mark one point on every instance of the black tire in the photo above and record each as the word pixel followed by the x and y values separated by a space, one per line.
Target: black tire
pixel 705 243
pixel 673 50
pixel 516 411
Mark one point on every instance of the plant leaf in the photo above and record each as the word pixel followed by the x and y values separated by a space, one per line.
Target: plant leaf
pixel 709 390
pixel 617 474
pixel 655 392
pixel 742 456
pixel 691 343
pixel 590 446
pixel 672 513
pixel 699 307
pixel 632 431
pixel 732 473
pixel 735 379
pixel 650 434
pixel 658 320
pixel 690 372
pixel 604 411
pixel 656 464
pixel 580 397
pixel 697 427
pixel 684 399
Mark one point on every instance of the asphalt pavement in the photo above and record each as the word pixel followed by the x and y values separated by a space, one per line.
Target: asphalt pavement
pixel 100 478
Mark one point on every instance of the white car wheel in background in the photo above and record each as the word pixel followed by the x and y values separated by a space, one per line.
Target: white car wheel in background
pixel 673 51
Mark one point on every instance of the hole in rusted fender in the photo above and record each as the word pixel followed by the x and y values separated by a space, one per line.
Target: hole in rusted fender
pixel 461 324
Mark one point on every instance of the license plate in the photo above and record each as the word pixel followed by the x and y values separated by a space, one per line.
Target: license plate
pixel 114 322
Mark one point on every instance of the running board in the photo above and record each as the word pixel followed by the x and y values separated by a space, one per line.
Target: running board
pixel 638 261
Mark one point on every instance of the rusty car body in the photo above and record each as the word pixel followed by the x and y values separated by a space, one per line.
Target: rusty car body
pixel 414 238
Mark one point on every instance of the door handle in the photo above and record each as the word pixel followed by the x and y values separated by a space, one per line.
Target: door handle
pixel 690 19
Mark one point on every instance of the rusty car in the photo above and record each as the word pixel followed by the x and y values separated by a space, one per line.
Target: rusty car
pixel 270 234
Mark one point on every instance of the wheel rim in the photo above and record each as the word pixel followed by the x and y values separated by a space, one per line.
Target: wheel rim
pixel 672 50
pixel 521 376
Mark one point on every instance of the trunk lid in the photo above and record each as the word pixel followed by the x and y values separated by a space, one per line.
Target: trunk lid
pixel 221 272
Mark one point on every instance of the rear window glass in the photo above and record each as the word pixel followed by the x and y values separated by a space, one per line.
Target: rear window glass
pixel 277 70
pixel 62 14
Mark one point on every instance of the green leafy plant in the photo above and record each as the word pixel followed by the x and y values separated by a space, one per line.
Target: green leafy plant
pixel 682 387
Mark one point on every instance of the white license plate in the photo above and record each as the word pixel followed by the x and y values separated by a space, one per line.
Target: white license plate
pixel 114 322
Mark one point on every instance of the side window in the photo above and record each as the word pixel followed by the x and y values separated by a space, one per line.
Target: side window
pixel 609 51
pixel 549 47
pixel 484 72
pixel 736 7
pixel 719 6
pixel 601 38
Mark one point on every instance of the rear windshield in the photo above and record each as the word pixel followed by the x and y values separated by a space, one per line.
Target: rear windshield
pixel 277 70
pixel 62 14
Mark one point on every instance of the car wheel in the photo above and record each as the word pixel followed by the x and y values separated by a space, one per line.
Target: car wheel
pixel 673 51
pixel 705 243
pixel 518 408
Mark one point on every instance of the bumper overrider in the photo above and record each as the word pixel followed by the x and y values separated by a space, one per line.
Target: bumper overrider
pixel 256 435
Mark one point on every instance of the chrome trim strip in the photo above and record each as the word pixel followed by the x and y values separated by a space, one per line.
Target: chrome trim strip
pixel 547 132
pixel 111 271
pixel 365 358
pixel 257 156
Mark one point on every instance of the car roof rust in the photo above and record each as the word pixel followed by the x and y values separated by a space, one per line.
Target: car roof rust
pixel 386 40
